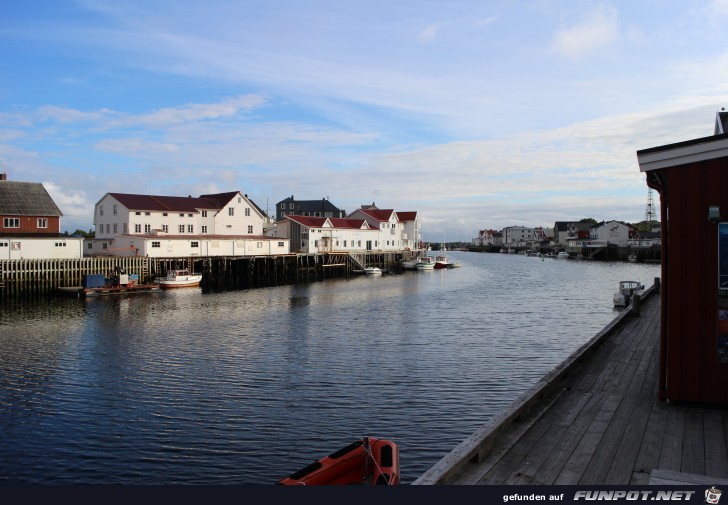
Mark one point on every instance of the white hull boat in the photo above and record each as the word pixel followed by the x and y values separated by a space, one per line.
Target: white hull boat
pixel 179 279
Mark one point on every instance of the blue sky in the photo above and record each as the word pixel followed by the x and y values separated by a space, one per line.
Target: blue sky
pixel 477 114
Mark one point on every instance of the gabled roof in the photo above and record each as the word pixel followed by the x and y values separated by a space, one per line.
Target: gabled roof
pixel 165 203
pixel 322 205
pixel 382 215
pixel 221 199
pixel 26 199
pixel 407 216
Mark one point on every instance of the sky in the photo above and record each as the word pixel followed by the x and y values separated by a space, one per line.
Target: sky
pixel 476 114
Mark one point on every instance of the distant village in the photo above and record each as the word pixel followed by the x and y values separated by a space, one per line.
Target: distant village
pixel 585 238
pixel 232 224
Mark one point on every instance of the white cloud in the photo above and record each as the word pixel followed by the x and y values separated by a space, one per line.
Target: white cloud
pixel 598 29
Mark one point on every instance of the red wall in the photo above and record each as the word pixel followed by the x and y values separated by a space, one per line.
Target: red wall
pixel 29 226
pixel 690 293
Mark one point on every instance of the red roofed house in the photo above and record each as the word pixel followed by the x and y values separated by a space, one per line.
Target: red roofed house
pixel 224 224
pixel 400 231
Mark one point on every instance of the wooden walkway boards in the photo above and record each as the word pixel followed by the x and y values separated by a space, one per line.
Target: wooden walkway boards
pixel 604 424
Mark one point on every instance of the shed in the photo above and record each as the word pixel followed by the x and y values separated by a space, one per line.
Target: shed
pixel 692 180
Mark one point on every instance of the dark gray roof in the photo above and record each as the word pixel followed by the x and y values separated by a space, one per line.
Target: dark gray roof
pixel 26 199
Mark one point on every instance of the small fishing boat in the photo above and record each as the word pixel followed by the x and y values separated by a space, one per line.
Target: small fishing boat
pixel 426 263
pixel 625 293
pixel 563 255
pixel 441 262
pixel 369 461
pixel 179 279
pixel 373 271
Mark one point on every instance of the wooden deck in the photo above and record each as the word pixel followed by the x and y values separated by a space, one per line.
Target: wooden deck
pixel 602 425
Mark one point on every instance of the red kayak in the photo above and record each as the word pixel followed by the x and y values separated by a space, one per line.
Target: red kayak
pixel 369 461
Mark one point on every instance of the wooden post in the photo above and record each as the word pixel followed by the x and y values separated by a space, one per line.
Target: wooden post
pixel 636 303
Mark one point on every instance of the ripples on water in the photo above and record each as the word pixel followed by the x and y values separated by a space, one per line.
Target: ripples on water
pixel 248 386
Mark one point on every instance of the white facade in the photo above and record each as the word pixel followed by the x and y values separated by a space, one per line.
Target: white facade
pixel 17 248
pixel 516 234
pixel 120 219
pixel 321 235
pixel 161 246
pixel 613 232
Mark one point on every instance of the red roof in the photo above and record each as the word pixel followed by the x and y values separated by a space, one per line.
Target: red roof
pixel 407 216
pixel 171 203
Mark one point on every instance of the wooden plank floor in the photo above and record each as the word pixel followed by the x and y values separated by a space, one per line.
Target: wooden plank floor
pixel 606 425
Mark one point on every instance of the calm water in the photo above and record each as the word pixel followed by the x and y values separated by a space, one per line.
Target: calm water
pixel 248 386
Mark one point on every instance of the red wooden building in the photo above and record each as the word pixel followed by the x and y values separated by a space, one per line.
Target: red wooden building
pixel 692 180
pixel 26 209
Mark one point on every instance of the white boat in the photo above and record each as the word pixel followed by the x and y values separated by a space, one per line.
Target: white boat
pixel 426 263
pixel 563 255
pixel 179 279
pixel 373 271
pixel 627 290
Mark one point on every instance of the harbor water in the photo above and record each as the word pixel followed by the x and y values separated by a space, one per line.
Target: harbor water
pixel 245 387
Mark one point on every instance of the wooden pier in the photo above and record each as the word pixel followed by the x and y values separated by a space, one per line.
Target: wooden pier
pixel 29 279
pixel 596 420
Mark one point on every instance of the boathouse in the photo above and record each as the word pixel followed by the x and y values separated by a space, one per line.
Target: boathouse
pixel 691 178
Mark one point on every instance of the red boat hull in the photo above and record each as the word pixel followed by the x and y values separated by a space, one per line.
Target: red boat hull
pixel 369 461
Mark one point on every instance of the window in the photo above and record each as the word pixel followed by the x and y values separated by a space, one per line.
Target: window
pixel 231 211
pixel 194 244
pixel 147 214
pixel 182 215
pixel 5 244
pixel 116 228
pixel 204 213
pixel 283 206
pixel 247 211
pixel 240 199
pixel 137 228
pixel 190 228
pixel 165 228
pixel 189 215
pixel 181 228
pixel 138 213
pixel 250 228
pixel 60 244
pixel 280 244
pixel 204 229
pixel 156 244
pixel 89 246
pixel 42 222
pixel 11 222
pixel 260 245
pixel 108 228
pixel 101 210
pixel 104 246
pixel 114 209
pixel 147 228
pixel 164 214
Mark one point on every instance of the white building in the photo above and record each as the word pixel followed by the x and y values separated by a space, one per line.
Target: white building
pixel 397 232
pixel 181 246
pixel 612 232
pixel 515 235
pixel 31 248
pixel 323 234
pixel 138 224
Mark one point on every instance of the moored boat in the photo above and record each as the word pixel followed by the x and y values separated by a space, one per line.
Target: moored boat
pixel 369 461
pixel 563 255
pixel 373 271
pixel 626 292
pixel 426 263
pixel 441 262
pixel 179 279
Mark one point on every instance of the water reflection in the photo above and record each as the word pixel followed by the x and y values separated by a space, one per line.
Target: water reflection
pixel 246 386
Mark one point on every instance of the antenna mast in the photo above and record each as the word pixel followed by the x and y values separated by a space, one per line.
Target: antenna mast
pixel 650 213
